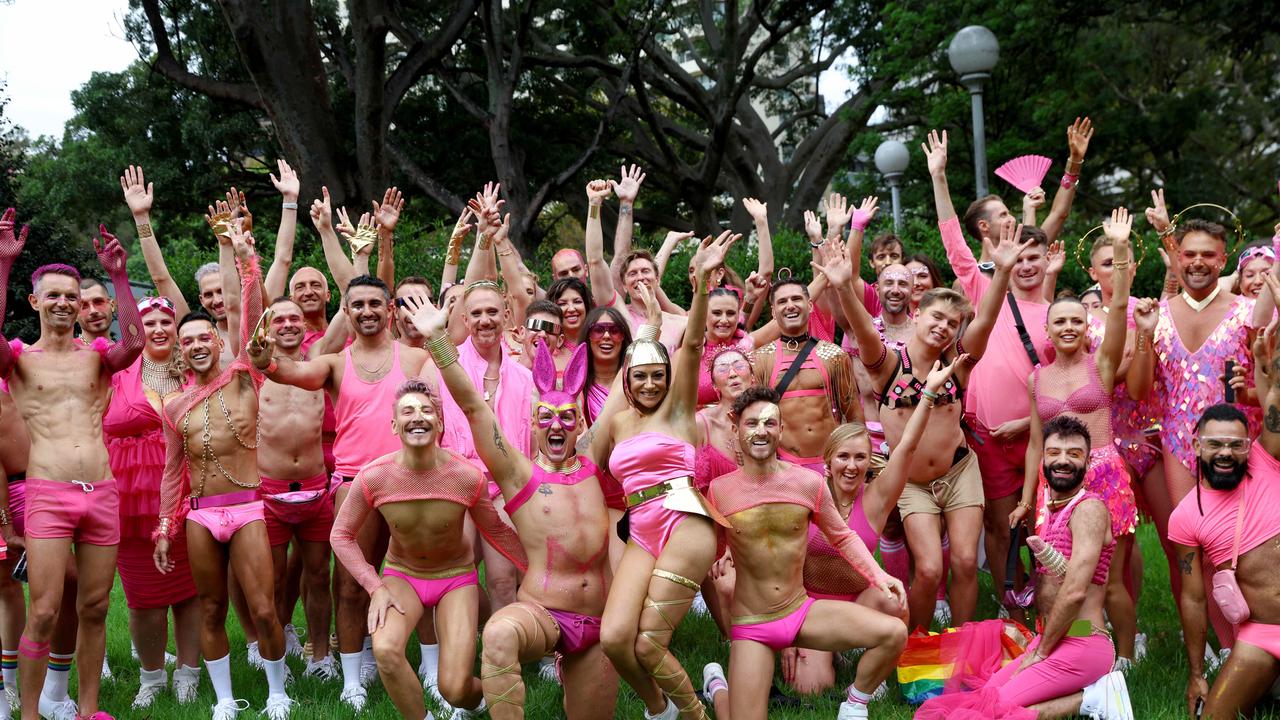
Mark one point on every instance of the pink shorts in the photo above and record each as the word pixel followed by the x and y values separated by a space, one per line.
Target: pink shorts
pixel 431 590
pixel 18 502
pixel 778 634
pixel 300 507
pixel 1001 462
pixel 85 512
pixel 224 521
pixel 578 632
pixel 1260 635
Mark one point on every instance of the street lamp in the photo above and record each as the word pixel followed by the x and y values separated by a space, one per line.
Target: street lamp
pixel 891 160
pixel 973 53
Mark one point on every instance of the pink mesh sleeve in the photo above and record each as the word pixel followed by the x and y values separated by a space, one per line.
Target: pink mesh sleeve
pixel 173 485
pixel 844 540
pixel 250 313
pixel 497 533
pixel 355 509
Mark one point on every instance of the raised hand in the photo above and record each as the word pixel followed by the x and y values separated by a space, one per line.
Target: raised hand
pixel 1009 244
pixel 11 245
pixel 427 318
pixel 940 373
pixel 711 253
pixel 1117 229
pixel 287 184
pixel 322 212
pixel 835 265
pixel 597 191
pixel 629 186
pixel 813 227
pixel 758 211
pixel 674 238
pixel 1145 315
pixel 837 211
pixel 137 191
pixel 241 241
pixel 757 286
pixel 935 152
pixel 487 206
pixel 1057 256
pixel 261 345
pixel 219 219
pixel 387 213
pixel 865 212
pixel 110 252
pixel 1033 200
pixel 652 313
pixel 1158 213
pixel 1078 137
pixel 240 208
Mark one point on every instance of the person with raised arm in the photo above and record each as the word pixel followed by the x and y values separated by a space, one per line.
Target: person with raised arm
pixel 634 268
pixel 134 430
pixel 423 493
pixel 212 465
pixel 60 388
pixel 1228 526
pixel 771 505
pixel 999 418
pixel 1066 670
pixel 1080 383
pixel 649 448
pixel 557 504
pixel 97 311
pixel 943 481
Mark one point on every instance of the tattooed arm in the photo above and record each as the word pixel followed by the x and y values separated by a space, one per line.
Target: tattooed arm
pixel 1266 374
pixel 1194 615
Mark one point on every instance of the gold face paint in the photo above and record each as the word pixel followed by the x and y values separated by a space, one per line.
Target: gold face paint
pixel 770 412
pixel 420 409
pixel 767 413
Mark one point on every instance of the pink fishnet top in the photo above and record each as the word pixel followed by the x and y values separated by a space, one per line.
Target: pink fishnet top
pixel 385 481
pixel 1056 531
pixel 795 485
pixel 1075 390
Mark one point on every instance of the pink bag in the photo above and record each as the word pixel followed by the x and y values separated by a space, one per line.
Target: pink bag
pixel 1226 591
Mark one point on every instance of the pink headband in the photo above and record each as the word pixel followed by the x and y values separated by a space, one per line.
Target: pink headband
pixel 163 304
pixel 1254 253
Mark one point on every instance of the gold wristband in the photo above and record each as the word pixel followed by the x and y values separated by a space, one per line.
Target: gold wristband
pixel 4 516
pixel 144 231
pixel 444 352
pixel 486 241
pixel 647 332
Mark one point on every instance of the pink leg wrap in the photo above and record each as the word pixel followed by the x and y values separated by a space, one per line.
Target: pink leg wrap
pixel 32 649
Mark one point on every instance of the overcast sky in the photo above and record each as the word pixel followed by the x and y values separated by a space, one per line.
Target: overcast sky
pixel 49 47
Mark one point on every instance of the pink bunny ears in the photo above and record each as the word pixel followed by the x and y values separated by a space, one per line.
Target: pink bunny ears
pixel 544 373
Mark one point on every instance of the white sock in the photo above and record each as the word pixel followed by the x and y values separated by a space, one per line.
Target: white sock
pixel 252 647
pixel 857 697
pixel 430 659
pixel 153 677
pixel 275 676
pixel 9 666
pixel 350 668
pixel 55 680
pixel 220 676
pixel 367 652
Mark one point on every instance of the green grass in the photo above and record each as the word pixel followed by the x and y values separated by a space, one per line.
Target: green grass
pixel 1156 685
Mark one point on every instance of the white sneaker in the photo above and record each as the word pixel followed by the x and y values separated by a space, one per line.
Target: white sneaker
pixel 710 673
pixel 852 711
pixel 942 613
pixel 147 693
pixel 1107 699
pixel 326 669
pixel 254 656
pixel 1139 647
pixel 368 672
pixel 12 695
pixel 465 714
pixel 278 707
pixel 699 606
pixel 1122 665
pixel 288 676
pixel 106 670
pixel 670 712
pixel 228 709
pixel 292 646
pixel 186 684
pixel 547 669
pixel 61 710
pixel 5 712
pixel 355 696
pixel 880 691
pixel 170 658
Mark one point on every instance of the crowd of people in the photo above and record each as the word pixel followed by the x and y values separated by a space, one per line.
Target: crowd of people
pixel 613 460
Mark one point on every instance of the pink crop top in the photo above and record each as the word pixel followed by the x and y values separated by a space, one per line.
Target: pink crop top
pixel 648 458
pixel 1056 531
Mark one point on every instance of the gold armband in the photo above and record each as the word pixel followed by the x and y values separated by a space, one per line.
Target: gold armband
pixel 444 352
pixel 647 332
pixel 4 516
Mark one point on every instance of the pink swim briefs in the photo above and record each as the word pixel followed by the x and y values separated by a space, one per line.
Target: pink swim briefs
pixel 1260 635
pixel 778 634
pixel 87 512
pixel 224 521
pixel 578 632
pixel 431 590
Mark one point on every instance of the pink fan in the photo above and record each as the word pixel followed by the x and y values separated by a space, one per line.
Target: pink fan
pixel 1026 172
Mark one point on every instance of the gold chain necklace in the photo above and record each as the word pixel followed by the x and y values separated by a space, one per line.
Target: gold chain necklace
pixel 381 363
pixel 207 453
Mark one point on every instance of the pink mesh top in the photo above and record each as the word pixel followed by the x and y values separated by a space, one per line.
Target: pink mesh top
pixel 364 411
pixel 825 570
pixel 385 481
pixel 795 485
pixel 1056 531
pixel 1189 382
pixel 1206 518
pixel 1088 401
pixel 648 458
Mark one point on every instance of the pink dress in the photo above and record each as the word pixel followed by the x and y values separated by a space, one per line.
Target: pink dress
pixel 1107 476
pixel 1187 383
pixel 136 453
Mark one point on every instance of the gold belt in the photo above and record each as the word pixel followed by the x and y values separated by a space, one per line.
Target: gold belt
pixel 436 575
pixel 791 607
pixel 678 494
pixel 656 491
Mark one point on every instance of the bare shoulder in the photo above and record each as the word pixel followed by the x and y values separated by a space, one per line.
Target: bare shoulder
pixel 1091 515
pixel 413 360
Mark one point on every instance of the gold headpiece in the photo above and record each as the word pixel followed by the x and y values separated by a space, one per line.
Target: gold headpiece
pixel 1084 241
pixel 1235 221
pixel 647 352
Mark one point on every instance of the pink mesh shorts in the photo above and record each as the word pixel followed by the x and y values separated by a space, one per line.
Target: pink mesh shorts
pixel 87 512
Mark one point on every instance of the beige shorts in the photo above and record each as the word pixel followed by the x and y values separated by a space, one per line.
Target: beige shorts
pixel 961 487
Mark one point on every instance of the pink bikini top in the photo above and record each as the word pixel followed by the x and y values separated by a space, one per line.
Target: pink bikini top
pixel 130 414
pixel 648 458
pixel 364 411
pixel 1056 531
pixel 1089 402
pixel 542 477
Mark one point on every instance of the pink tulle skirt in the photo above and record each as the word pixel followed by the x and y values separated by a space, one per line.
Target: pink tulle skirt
pixel 137 463
pixel 144 587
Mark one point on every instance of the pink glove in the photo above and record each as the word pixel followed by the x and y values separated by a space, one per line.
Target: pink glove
pixel 860 220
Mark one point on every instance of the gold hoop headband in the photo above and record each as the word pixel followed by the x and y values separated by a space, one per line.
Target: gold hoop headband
pixel 1235 221
pixel 1084 241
